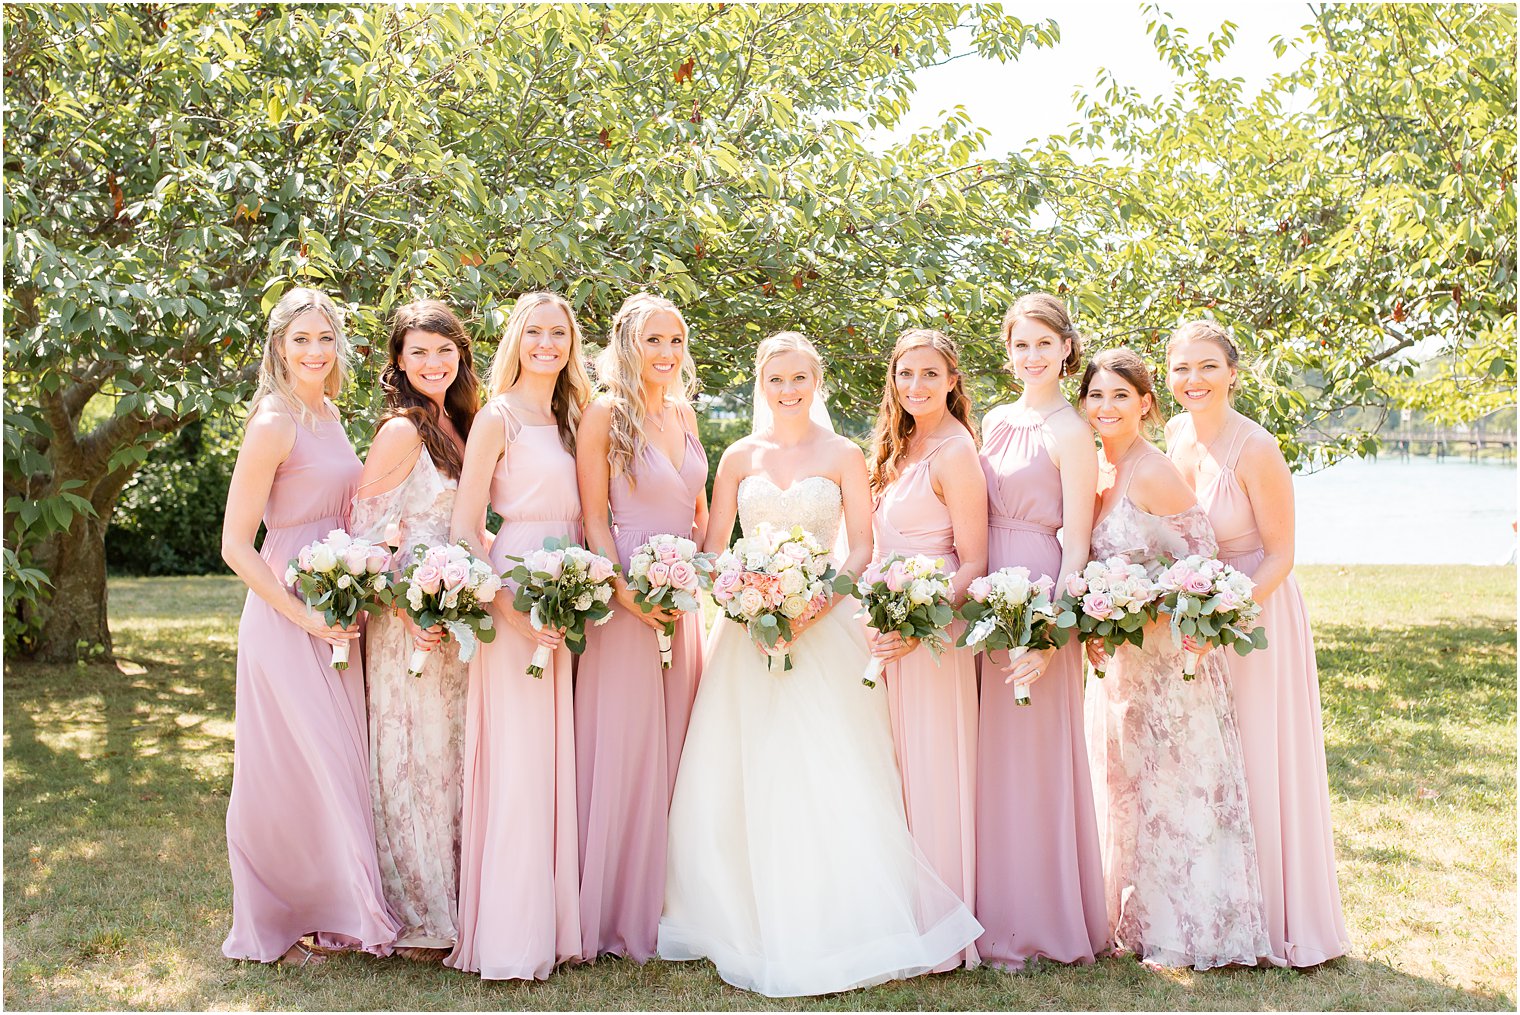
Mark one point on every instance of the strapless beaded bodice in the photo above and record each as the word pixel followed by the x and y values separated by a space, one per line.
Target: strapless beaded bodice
pixel 814 502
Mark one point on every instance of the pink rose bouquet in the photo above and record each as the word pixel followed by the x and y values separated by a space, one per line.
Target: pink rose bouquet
pixel 447 586
pixel 339 575
pixel 1009 609
pixel 1111 600
pixel 669 571
pixel 563 585
pixel 1212 602
pixel 768 581
pixel 909 595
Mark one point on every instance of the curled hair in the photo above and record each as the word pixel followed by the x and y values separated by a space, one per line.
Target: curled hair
pixel 572 389
pixel 1125 363
pixel 895 426
pixel 1205 330
pixel 620 369
pixel 460 401
pixel 1051 312
pixel 274 374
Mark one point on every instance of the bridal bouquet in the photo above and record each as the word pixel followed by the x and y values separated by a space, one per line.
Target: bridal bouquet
pixel 909 595
pixel 562 585
pixel 1008 609
pixel 340 576
pixel 767 581
pixel 668 571
pixel 447 586
pixel 1211 601
pixel 1111 600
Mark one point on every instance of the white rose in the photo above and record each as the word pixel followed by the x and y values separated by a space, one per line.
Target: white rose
pixel 379 583
pixel 338 540
pixel 687 548
pixel 414 597
pixel 750 601
pixel 323 558
pixel 921 592
pixel 793 606
pixel 290 576
pixel 793 581
pixel 344 581
pixel 603 593
pixel 583 601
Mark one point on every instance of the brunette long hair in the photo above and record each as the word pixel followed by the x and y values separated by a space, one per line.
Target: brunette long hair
pixel 460 402
pixel 894 426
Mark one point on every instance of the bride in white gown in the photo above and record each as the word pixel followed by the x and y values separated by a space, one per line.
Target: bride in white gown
pixel 790 863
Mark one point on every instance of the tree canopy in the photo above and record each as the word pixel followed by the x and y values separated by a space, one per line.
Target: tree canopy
pixel 172 169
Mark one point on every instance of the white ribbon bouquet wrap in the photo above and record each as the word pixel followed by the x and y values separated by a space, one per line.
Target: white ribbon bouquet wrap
pixel 564 586
pixel 339 575
pixel 447 586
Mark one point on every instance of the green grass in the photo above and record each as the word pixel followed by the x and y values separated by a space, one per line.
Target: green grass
pixel 117 895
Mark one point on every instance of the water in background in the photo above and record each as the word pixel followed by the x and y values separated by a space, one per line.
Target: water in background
pixel 1393 511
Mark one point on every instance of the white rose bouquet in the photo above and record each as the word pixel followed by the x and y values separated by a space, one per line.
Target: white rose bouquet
pixel 1212 602
pixel 562 585
pixel 447 586
pixel 339 575
pixel 1010 610
pixel 768 581
pixel 1111 600
pixel 909 595
pixel 668 571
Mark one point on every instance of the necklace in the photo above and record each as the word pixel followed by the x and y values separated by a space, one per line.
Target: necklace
pixel 659 423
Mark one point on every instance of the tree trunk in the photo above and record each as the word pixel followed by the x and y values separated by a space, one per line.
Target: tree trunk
pixel 74 620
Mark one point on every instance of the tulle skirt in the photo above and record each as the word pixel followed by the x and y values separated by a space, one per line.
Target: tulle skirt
pixel 790 864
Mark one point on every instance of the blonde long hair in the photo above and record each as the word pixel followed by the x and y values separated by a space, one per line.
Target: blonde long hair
pixel 620 369
pixel 895 426
pixel 274 374
pixel 572 389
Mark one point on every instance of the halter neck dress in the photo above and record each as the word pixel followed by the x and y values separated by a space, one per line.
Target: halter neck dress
pixel 1281 732
pixel 1039 878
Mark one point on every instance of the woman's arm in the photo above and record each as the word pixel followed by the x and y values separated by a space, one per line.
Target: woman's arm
pixel 1268 484
pixel 266 444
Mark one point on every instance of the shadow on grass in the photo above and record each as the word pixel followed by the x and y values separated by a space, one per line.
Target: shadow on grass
pixel 117 894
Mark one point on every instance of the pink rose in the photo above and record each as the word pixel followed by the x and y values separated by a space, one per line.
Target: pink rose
pixel 551 562
pixel 428 578
pixel 668 553
pixel 796 551
pixel 1076 585
pixel 980 589
pixel 1229 600
pixel 659 574
pixel 725 585
pixel 438 557
pixel 356 558
pixel 379 559
pixel 683 576
pixel 898 577
pixel 455 574
pixel 600 569
pixel 1045 583
pixel 1198 584
pixel 872 574
pixel 1097 605
pixel 304 558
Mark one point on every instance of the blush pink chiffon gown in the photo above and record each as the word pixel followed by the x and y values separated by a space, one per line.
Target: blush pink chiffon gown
pixel 518 876
pixel 300 835
pixel 1039 877
pixel 933 702
pixel 630 723
pixel 1277 699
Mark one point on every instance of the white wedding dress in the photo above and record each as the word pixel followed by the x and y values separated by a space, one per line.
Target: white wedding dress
pixel 790 864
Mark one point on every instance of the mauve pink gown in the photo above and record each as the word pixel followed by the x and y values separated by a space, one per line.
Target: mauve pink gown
pixel 300 835
pixel 518 878
pixel 630 723
pixel 1039 877
pixel 1277 701
pixel 933 702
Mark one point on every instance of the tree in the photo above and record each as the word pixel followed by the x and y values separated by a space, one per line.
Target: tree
pixel 173 168
pixel 1355 218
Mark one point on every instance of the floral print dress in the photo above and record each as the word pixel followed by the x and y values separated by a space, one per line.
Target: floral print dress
pixel 1169 783
pixel 416 726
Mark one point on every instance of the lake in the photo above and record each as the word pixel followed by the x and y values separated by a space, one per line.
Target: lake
pixel 1419 511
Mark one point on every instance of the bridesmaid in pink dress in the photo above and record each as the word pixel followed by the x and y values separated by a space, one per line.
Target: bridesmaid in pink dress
pixel 931 498
pixel 519 915
pixel 1039 879
pixel 300 835
pixel 642 473
pixel 1245 486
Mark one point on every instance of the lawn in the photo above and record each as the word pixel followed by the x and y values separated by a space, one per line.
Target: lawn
pixel 117 894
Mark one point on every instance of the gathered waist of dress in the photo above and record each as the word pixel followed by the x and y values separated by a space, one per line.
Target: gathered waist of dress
pixel 1020 525
pixel 945 550
pixel 1242 547
pixel 324 522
